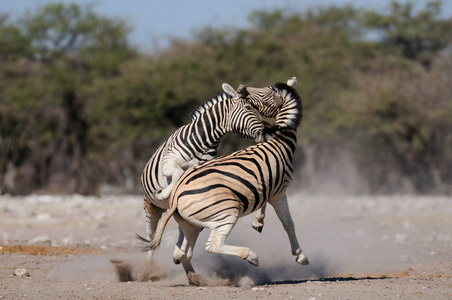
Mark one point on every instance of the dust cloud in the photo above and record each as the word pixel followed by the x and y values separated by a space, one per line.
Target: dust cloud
pixel 340 235
pixel 327 233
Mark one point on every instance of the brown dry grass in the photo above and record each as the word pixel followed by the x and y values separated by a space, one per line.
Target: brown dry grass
pixel 48 250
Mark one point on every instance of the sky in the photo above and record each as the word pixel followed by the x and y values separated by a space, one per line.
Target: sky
pixel 156 20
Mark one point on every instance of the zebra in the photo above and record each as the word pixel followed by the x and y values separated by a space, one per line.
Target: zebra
pixel 197 142
pixel 263 99
pixel 216 193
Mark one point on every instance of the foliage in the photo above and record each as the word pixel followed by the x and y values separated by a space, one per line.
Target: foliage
pixel 81 108
pixel 418 36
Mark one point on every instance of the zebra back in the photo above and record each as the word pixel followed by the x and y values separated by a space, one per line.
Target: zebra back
pixel 203 107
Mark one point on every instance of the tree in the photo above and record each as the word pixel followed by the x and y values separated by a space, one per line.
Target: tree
pixel 79 107
pixel 418 35
pixel 69 47
pixel 13 44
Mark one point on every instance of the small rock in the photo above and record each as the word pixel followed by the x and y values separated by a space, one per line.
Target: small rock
pixel 256 289
pixel 42 239
pixel 407 225
pixel 400 238
pixel 43 217
pixel 21 273
pixel 102 225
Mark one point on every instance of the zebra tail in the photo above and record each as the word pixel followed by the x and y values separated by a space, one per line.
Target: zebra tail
pixel 144 243
pixel 153 244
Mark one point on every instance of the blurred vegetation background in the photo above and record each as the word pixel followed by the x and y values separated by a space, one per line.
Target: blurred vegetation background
pixel 81 109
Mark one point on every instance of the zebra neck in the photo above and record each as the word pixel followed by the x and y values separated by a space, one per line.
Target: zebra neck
pixel 282 136
pixel 218 119
pixel 209 127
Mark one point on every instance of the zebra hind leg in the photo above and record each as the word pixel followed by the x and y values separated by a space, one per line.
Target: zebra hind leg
pixel 259 223
pixel 282 211
pixel 153 215
pixel 184 253
pixel 179 248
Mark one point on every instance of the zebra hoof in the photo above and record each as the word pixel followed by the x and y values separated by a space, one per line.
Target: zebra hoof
pixel 196 279
pixel 177 255
pixel 302 259
pixel 258 226
pixel 253 259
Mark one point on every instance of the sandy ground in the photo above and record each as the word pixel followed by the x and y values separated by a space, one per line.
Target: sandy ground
pixel 367 247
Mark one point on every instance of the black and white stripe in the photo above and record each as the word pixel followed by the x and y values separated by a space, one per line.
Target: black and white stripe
pixel 195 143
pixel 215 194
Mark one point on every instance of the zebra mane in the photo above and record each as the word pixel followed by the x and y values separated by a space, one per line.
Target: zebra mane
pixel 208 104
pixel 291 112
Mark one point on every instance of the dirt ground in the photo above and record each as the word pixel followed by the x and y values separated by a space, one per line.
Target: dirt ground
pixel 366 247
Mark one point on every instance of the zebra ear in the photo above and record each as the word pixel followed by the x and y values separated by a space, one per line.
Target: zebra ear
pixel 292 82
pixel 229 90
pixel 277 98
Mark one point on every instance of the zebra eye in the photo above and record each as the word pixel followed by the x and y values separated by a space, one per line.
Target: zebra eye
pixel 248 107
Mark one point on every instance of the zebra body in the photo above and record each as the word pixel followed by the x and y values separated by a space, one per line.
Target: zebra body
pixel 215 194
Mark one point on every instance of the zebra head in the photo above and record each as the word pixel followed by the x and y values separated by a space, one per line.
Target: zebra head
pixel 265 99
pixel 245 121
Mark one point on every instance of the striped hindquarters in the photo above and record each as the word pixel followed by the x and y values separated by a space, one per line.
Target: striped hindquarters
pixel 241 182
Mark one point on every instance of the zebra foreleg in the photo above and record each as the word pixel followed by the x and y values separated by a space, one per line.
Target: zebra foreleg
pixel 282 211
pixel 216 243
pixel 259 223
pixel 170 169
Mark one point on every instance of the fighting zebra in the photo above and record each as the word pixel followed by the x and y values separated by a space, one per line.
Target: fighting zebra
pixel 215 194
pixel 198 141
pixel 263 99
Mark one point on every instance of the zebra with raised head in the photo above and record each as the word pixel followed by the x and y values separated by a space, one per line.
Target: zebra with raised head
pixel 215 194
pixel 198 141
